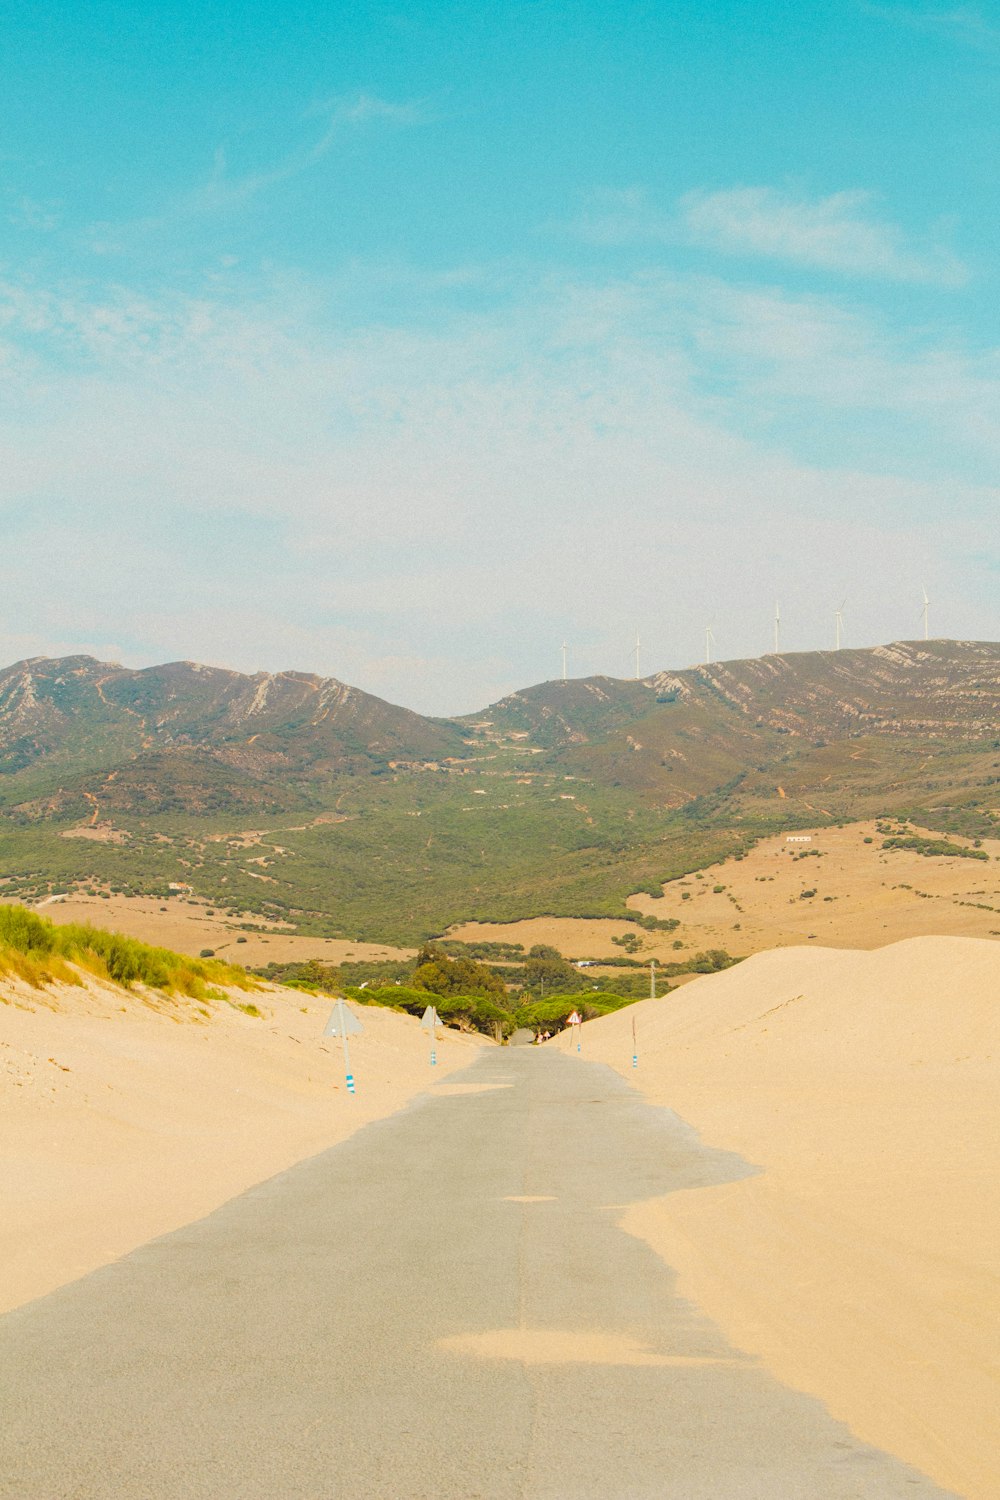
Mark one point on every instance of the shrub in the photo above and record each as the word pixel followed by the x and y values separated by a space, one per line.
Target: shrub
pixel 468 1012
pixel 932 847
pixel 40 951
pixel 441 975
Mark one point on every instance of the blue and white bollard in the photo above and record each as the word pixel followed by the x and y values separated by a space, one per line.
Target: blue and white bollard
pixel 635 1061
pixel 350 1083
pixel 434 1058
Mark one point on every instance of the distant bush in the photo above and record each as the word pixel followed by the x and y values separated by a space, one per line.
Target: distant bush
pixel 710 961
pixel 630 941
pixel 555 1013
pixel 467 1012
pixel 653 924
pixel 441 975
pixel 456 949
pixel 313 976
pixel 933 847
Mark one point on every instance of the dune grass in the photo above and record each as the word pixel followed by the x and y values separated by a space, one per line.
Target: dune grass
pixel 38 951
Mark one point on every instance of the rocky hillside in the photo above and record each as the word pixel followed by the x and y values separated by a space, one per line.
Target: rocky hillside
pixel 927 687
pixel 317 803
pixel 676 736
pixel 257 740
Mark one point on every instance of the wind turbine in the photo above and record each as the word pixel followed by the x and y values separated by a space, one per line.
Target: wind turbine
pixel 838 616
pixel 927 605
pixel 709 641
pixel 777 628
pixel 637 656
pixel 564 660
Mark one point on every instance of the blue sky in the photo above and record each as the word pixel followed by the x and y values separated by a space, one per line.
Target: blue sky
pixel 403 342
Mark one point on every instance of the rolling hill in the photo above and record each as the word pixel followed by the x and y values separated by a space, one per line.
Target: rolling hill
pixel 367 819
pixel 76 716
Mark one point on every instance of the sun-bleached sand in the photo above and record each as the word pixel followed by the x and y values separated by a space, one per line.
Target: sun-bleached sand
pixel 126 1115
pixel 862 1262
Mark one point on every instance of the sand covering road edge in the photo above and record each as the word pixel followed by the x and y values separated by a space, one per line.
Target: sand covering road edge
pixel 862 1262
pixel 126 1115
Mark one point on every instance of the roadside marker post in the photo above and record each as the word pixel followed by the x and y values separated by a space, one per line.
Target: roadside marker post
pixel 344 1023
pixel 428 1021
pixel 576 1020
pixel 635 1046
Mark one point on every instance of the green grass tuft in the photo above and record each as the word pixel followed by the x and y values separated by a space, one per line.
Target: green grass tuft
pixel 38 951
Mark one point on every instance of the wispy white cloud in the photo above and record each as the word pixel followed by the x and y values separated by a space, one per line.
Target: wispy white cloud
pixel 28 213
pixel 962 24
pixel 840 233
pixel 358 109
pixel 341 114
pixel 837 233
pixel 225 189
pixel 621 216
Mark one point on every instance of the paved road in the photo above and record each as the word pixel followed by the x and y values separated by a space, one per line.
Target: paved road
pixel 288 1346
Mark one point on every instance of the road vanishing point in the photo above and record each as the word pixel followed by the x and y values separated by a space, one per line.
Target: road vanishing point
pixel 441 1307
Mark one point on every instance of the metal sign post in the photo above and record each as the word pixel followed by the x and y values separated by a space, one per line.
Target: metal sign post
pixel 576 1020
pixel 428 1021
pixel 344 1023
pixel 635 1048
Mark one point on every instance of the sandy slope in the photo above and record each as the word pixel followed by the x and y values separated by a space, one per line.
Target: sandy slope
pixel 862 1263
pixel 863 897
pixel 122 1117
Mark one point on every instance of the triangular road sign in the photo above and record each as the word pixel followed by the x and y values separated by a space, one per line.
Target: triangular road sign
pixel 430 1019
pixel 342 1022
pixel 574 1020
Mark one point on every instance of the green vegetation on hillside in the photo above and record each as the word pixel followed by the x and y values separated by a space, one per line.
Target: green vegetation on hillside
pixel 540 992
pixel 299 800
pixel 932 847
pixel 36 950
pixel 444 976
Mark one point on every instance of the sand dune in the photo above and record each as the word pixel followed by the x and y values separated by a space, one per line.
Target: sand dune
pixel 862 1262
pixel 123 1116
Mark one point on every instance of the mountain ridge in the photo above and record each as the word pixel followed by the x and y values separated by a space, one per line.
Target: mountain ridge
pixel 564 797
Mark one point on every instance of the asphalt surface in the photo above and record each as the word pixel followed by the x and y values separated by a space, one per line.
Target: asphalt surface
pixel 288 1346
